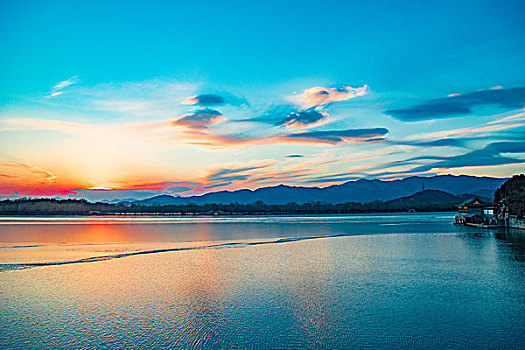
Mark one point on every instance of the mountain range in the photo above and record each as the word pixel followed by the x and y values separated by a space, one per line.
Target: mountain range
pixel 362 191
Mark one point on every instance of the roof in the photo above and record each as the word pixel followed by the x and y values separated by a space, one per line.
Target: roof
pixel 474 202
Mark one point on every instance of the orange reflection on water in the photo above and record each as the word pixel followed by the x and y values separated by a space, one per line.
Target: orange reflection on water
pixel 69 233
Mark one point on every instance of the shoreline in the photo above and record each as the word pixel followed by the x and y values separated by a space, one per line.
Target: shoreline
pixel 197 214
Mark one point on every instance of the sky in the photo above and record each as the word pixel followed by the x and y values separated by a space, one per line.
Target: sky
pixel 114 100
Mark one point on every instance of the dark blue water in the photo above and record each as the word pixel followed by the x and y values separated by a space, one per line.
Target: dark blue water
pixel 363 281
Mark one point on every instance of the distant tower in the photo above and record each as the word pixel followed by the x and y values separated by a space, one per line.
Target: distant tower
pixel 422 186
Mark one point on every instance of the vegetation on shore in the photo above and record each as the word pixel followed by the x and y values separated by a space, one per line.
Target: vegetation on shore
pixel 424 201
pixel 512 195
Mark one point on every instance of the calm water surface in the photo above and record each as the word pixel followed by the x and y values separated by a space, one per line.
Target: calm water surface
pixel 360 281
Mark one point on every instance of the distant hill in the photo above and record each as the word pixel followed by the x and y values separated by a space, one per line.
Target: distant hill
pixel 163 199
pixel 431 200
pixel 424 201
pixel 362 191
pixel 115 201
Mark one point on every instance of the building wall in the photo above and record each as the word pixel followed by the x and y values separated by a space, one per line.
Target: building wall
pixel 475 210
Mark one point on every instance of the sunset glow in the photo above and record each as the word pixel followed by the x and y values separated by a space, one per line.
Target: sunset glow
pixel 114 130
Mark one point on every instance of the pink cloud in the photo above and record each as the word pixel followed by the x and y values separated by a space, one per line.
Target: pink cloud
pixel 322 96
pixel 200 119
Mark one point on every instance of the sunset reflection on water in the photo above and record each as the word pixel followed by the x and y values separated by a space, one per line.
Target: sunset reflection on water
pixel 241 285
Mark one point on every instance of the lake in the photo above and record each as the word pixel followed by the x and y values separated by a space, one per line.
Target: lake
pixel 375 281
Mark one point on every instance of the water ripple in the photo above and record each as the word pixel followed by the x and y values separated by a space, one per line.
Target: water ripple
pixel 22 266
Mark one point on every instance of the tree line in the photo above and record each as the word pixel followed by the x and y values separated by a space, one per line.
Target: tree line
pixel 511 196
pixel 26 206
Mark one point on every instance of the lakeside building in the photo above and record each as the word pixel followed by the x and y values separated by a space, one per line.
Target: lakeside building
pixel 475 212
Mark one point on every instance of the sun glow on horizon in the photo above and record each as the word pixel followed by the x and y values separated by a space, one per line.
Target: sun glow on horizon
pixel 128 110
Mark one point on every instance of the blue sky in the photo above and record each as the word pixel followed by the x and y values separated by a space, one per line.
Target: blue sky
pixel 106 88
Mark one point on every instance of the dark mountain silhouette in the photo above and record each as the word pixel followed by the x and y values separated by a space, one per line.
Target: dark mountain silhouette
pixel 434 197
pixel 362 191
pixel 424 201
pixel 163 199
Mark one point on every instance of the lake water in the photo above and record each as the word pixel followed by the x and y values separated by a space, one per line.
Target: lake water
pixel 382 281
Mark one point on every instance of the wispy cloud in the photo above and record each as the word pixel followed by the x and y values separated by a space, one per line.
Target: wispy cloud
pixel 445 142
pixel 319 95
pixel 326 137
pixel 26 178
pixel 517 117
pixel 490 155
pixel 56 93
pixel 458 105
pixel 58 88
pixel 337 136
pixel 234 174
pixel 66 83
pixel 493 154
pixel 509 122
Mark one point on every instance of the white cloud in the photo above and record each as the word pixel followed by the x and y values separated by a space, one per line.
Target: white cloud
pixel 57 93
pixel 57 90
pixel 66 83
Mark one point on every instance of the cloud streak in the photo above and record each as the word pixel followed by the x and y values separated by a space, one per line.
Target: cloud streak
pixel 337 136
pixel 327 137
pixel 490 155
pixel 489 130
pixel 26 179
pixel 58 88
pixel 459 105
